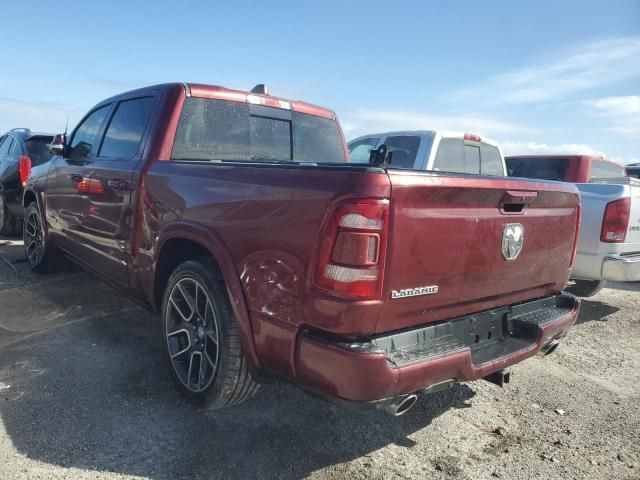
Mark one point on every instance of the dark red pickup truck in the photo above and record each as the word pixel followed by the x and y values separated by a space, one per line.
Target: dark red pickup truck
pixel 238 217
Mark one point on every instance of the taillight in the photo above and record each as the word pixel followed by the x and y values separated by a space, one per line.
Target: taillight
pixel 24 167
pixel 577 236
pixel 616 221
pixel 353 249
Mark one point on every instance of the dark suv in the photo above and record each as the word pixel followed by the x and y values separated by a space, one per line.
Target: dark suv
pixel 19 150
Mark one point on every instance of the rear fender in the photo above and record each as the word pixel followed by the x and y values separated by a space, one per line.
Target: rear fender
pixel 212 243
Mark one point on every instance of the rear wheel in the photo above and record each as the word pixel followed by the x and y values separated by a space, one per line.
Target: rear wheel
pixel 586 288
pixel 39 253
pixel 7 221
pixel 201 341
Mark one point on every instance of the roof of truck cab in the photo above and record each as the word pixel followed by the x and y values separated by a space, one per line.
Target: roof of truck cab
pixel 426 133
pixel 199 90
pixel 222 93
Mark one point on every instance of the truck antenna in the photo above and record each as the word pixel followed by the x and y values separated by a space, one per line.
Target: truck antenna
pixel 66 127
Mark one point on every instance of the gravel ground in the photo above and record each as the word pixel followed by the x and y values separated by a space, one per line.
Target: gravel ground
pixel 84 393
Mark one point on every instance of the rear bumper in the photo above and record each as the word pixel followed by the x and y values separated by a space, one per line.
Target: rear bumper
pixel 621 268
pixel 411 361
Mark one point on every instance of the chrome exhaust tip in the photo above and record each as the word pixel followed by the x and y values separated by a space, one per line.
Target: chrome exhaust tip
pixel 549 347
pixel 400 405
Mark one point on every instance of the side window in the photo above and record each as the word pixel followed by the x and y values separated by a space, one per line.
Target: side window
pixel 6 146
pixel 491 163
pixel 605 170
pixel 359 151
pixel 404 148
pixel 86 138
pixel 127 126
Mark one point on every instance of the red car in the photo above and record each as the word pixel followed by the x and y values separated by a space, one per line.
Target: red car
pixel 239 219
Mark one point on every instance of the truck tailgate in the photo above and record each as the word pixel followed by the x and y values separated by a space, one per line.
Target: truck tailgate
pixel 445 254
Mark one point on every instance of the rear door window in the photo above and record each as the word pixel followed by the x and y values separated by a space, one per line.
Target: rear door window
pixel 404 149
pixel 601 169
pixel 360 151
pixel 127 126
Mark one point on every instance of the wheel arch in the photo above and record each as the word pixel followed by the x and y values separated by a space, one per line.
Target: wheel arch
pixel 29 196
pixel 181 241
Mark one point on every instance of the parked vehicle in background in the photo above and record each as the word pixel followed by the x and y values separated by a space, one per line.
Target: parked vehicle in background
pixel 609 246
pixel 239 218
pixel 19 150
pixel 433 150
pixel 633 170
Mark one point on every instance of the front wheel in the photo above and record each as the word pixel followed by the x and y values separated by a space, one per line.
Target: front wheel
pixel 586 288
pixel 201 340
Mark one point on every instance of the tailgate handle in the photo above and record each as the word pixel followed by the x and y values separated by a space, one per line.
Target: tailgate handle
pixel 514 201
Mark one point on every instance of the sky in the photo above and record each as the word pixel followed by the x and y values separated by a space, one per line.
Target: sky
pixel 541 77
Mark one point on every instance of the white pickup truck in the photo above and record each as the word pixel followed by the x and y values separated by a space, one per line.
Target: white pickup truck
pixel 609 243
pixel 433 150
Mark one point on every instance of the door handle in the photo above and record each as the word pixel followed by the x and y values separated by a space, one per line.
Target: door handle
pixel 515 202
pixel 119 184
pixel 521 197
pixel 76 178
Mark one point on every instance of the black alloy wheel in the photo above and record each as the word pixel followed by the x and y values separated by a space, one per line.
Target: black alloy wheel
pixel 201 338
pixel 191 329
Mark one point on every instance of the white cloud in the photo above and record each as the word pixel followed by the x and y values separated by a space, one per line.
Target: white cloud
pixel 616 106
pixel 37 116
pixel 362 122
pixel 592 65
pixel 622 113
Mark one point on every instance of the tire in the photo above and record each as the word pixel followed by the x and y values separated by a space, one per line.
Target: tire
pixel 204 337
pixel 41 257
pixel 586 288
pixel 7 221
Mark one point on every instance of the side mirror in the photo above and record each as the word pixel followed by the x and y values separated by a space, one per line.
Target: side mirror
pixel 58 145
pixel 380 156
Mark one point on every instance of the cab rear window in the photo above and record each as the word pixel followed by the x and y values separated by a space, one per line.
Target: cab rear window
pixel 454 155
pixel 232 131
pixel 38 148
pixel 539 168
pixel 601 169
